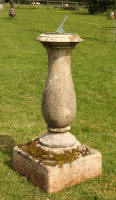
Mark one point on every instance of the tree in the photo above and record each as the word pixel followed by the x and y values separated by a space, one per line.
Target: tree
pixel 99 5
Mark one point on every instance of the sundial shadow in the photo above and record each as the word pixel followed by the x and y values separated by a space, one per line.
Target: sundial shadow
pixel 6 147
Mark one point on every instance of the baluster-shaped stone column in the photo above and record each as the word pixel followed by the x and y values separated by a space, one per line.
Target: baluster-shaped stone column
pixel 57 160
pixel 59 99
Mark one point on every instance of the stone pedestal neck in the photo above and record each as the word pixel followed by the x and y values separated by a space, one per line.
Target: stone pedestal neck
pixel 59 99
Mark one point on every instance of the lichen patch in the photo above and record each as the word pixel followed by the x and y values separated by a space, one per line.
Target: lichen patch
pixel 51 158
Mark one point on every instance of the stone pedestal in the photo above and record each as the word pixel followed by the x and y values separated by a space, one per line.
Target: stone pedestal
pixel 57 160
pixel 59 99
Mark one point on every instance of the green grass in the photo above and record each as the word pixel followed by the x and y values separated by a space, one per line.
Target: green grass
pixel 23 69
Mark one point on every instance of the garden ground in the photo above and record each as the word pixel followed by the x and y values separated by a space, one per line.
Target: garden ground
pixel 23 69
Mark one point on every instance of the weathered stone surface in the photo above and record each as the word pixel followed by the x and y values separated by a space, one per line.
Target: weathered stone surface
pixel 53 178
pixel 59 38
pixel 59 99
pixel 57 160
pixel 58 140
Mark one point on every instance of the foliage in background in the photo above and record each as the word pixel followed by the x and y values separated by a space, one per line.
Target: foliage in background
pixel 100 5
pixel 93 6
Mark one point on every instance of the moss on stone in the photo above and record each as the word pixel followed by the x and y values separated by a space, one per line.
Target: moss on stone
pixel 51 158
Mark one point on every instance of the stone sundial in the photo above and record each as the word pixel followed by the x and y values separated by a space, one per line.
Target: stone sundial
pixel 40 159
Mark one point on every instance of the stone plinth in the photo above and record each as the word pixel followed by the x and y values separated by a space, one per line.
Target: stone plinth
pixel 55 178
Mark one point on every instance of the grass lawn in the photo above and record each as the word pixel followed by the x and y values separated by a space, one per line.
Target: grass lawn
pixel 23 69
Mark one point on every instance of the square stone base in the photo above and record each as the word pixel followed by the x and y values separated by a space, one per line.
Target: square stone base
pixel 54 178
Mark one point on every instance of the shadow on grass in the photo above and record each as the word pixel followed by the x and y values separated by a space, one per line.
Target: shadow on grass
pixel 80 13
pixel 26 8
pixel 6 147
pixel 7 18
pixel 4 18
